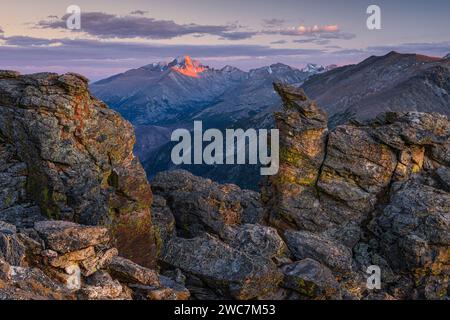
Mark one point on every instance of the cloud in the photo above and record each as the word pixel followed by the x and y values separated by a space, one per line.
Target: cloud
pixel 272 23
pixel 106 26
pixel 306 30
pixel 279 42
pixel 100 58
pixel 139 12
pixel 333 47
pixel 238 35
pixel 317 41
pixel 24 41
pixel 337 35
pixel 93 49
pixel 315 33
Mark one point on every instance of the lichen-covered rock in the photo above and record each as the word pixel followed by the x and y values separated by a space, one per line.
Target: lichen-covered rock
pixel 64 236
pixel 311 279
pixel 65 151
pixel 241 275
pixel 356 169
pixel 69 261
pixel 200 205
pixel 414 234
pixel 304 244
pixel 101 286
pixel 257 240
pixel 130 272
pixel 365 193
pixel 290 196
pixel 163 220
pixel 12 249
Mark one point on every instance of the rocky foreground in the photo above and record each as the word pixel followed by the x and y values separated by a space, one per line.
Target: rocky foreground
pixel 78 219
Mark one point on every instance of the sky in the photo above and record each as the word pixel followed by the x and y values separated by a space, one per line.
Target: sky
pixel 119 35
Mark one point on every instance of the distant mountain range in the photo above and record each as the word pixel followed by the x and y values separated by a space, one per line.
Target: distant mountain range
pixel 394 82
pixel 159 97
pixel 167 93
pixel 162 96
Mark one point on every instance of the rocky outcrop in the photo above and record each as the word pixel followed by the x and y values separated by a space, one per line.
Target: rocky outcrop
pixel 362 194
pixel 365 193
pixel 76 222
pixel 65 155
pixel 64 260
pixel 208 236
pixel 291 195
pixel 200 205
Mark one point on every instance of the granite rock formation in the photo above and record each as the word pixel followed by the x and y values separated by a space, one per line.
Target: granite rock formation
pixel 365 193
pixel 65 155
pixel 65 260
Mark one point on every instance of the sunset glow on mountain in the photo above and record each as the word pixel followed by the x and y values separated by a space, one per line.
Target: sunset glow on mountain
pixel 189 67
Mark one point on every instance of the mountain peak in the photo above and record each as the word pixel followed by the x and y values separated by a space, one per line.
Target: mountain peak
pixel 187 66
pixel 313 68
pixel 228 68
pixel 447 56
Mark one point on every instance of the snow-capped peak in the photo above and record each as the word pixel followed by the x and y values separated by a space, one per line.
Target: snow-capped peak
pixel 156 66
pixel 229 69
pixel 187 66
pixel 313 68
pixel 447 56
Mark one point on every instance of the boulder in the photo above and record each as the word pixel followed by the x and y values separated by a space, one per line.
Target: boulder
pixel 101 286
pixel 167 290
pixel 257 240
pixel 12 249
pixel 129 272
pixel 241 275
pixel 311 279
pixel 64 236
pixel 304 244
pixel 200 205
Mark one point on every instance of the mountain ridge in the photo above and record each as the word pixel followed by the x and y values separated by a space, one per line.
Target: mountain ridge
pixel 393 82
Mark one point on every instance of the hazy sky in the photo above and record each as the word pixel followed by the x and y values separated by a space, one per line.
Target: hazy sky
pixel 119 35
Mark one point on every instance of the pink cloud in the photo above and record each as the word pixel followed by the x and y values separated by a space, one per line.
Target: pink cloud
pixel 316 29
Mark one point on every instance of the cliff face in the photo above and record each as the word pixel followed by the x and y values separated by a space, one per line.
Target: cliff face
pixel 65 155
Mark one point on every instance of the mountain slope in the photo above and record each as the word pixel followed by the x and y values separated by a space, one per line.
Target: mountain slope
pixel 162 93
pixel 394 82
pixel 253 95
